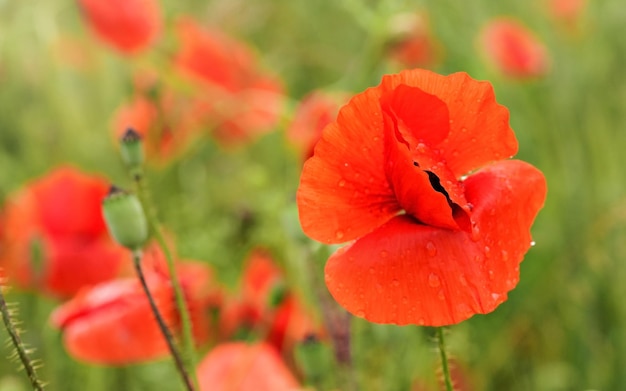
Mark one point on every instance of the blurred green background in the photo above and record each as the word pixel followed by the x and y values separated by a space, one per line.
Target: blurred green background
pixel 563 327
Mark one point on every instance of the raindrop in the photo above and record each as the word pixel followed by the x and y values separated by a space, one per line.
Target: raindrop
pixel 532 243
pixel 384 254
pixel 371 270
pixel 463 309
pixel 405 300
pixel 495 296
pixel 487 252
pixel 360 314
pixel 339 235
pixel 431 249
pixel 341 183
pixel 433 280
pixel 395 283
pixel 464 129
pixel 463 280
pixel 346 164
pixel 422 321
pixel 441 295
pixel 491 274
pixel 505 255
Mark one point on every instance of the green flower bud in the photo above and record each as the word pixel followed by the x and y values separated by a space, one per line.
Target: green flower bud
pixel 131 148
pixel 125 218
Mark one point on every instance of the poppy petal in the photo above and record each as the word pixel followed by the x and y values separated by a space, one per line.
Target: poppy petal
pixel 479 127
pixel 408 273
pixel 238 366
pixel 345 175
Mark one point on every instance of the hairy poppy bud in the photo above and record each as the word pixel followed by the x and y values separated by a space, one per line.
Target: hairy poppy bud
pixel 131 148
pixel 125 218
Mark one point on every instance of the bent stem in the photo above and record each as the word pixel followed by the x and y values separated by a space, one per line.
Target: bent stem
pixel 20 349
pixel 186 330
pixel 441 344
pixel 164 329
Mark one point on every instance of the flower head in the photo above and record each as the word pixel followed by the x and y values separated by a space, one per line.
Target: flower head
pixel 112 322
pixel 411 43
pixel 238 100
pixel 413 173
pixel 55 238
pixel 127 25
pixel 513 49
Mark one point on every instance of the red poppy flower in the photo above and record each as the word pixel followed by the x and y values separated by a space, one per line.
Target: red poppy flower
pixel 238 100
pixel 513 49
pixel 55 238
pixel 242 367
pixel 567 11
pixel 127 25
pixel 112 323
pixel 266 303
pixel 315 111
pixel 411 43
pixel 161 116
pixel 437 238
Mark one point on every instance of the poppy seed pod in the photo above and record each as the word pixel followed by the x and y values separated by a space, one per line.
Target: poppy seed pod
pixel 125 218
pixel 131 148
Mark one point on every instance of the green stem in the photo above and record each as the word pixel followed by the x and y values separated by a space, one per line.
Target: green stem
pixel 164 329
pixel 444 359
pixel 21 350
pixel 186 329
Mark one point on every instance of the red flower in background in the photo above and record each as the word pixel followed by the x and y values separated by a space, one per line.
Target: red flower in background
pixel 315 111
pixel 513 49
pixel 411 43
pixel 567 11
pixel 266 303
pixel 161 116
pixel 127 25
pixel 238 100
pixel 55 239
pixel 112 323
pixel 242 367
pixel 437 238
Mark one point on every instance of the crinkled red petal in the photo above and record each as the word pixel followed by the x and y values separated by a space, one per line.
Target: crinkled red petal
pixel 344 192
pixel 479 127
pixel 408 273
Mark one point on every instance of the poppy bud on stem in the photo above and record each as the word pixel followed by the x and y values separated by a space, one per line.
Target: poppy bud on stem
pixel 125 218
pixel 131 149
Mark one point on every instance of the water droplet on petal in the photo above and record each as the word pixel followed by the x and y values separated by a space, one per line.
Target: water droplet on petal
pixel 433 280
pixel 421 321
pixel 495 296
pixel 360 314
pixel 341 183
pixel 463 309
pixel 431 249
pixel 487 252
pixel 463 280
pixel 441 295
pixel 383 254
pixel 395 283
pixel 372 270
pixel 339 235
pixel 491 274
pixel 505 255
pixel 532 243
pixel 405 300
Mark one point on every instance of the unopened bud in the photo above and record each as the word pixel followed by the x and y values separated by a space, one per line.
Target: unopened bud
pixel 131 148
pixel 125 218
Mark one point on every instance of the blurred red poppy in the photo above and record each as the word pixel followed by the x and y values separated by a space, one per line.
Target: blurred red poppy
pixel 411 43
pixel 513 49
pixel 112 323
pixel 437 238
pixel 314 112
pixel 567 12
pixel 238 100
pixel 267 304
pixel 130 26
pixel 242 367
pixel 55 239
pixel 161 116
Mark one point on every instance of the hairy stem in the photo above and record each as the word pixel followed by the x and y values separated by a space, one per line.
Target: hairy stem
pixel 164 329
pixel 186 327
pixel 20 349
pixel 441 344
